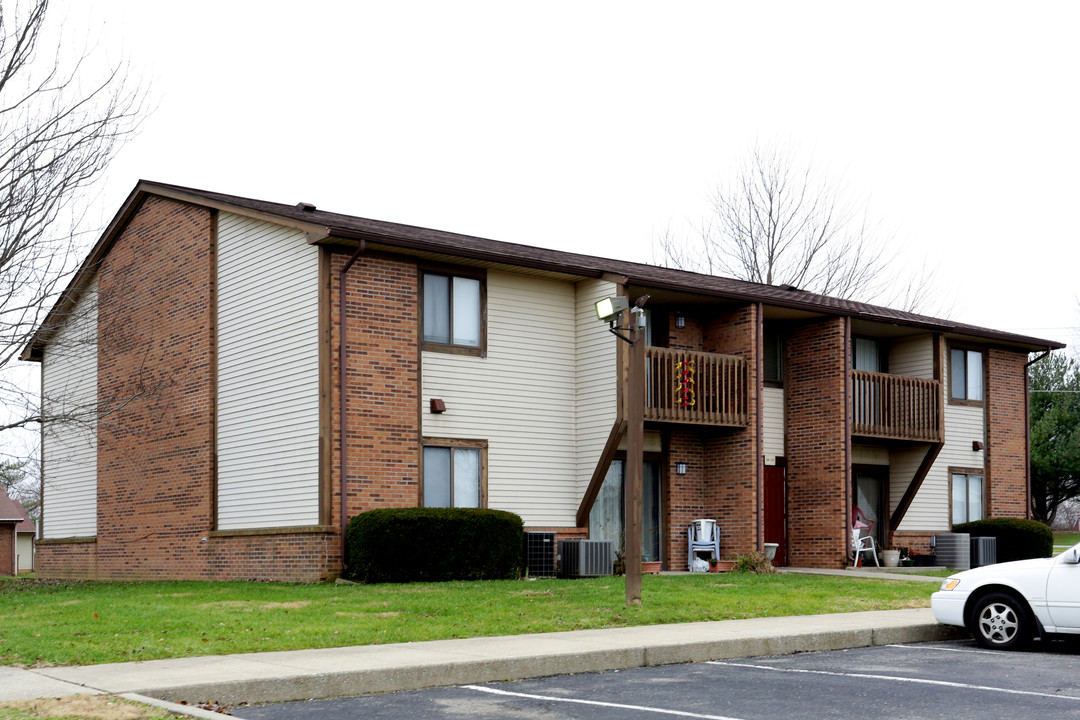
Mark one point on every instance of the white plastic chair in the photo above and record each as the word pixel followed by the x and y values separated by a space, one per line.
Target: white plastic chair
pixel 860 542
pixel 694 544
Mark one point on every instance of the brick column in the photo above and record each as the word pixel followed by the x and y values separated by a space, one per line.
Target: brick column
pixel 155 371
pixel 383 368
pixel 1006 435
pixel 815 383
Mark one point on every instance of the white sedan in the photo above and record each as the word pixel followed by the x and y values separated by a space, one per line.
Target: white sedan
pixel 1006 605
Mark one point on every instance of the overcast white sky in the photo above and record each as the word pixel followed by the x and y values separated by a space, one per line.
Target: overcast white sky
pixel 592 126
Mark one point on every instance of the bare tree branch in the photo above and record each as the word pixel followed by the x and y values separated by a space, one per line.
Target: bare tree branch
pixel 778 224
pixel 59 129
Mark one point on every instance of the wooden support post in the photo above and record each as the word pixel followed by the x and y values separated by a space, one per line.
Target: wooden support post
pixel 635 442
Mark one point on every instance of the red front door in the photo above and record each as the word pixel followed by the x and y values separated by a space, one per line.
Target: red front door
pixel 776 511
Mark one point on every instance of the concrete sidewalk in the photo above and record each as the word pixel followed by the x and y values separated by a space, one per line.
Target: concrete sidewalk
pixel 331 672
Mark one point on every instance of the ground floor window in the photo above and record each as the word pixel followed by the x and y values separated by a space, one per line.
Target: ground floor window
pixel 607 519
pixel 967 497
pixel 455 473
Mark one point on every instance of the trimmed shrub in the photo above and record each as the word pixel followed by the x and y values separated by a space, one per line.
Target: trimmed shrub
pixel 1016 539
pixel 434 544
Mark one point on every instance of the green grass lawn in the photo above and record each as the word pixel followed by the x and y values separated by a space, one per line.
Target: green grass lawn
pixel 70 622
pixel 1065 540
pixel 938 572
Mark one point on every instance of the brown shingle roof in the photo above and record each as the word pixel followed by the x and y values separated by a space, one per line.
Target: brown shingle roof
pixel 12 511
pixel 327 226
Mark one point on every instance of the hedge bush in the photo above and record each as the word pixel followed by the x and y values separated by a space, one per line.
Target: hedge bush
pixel 434 544
pixel 1016 539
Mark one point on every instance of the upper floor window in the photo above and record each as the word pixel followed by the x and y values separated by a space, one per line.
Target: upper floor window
pixel 965 376
pixel 773 360
pixel 453 318
pixel 454 475
pixel 869 354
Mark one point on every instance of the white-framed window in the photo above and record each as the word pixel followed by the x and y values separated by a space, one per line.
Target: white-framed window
pixel 453 312
pixel 965 376
pixel 967 497
pixel 455 473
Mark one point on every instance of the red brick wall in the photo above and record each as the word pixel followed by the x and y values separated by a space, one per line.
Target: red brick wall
pixel 7 549
pixel 156 360
pixel 815 419
pixel 684 496
pixel 1006 435
pixel 722 464
pixel 732 458
pixel 67 559
pixel 155 365
pixel 288 557
pixel 383 383
pixel 687 338
pixel 916 542
pixel 563 533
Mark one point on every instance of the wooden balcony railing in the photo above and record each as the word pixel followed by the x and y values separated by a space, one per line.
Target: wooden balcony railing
pixel 896 406
pixel 695 387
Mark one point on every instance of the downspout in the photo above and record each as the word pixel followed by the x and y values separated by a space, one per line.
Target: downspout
pixel 1027 430
pixel 848 479
pixel 343 399
pixel 759 383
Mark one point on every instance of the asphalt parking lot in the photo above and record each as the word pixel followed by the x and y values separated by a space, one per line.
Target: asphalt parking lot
pixel 927 680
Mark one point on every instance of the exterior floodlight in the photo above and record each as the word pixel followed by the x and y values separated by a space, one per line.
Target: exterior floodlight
pixel 608 309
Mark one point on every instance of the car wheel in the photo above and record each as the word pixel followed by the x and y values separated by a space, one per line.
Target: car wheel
pixel 1000 622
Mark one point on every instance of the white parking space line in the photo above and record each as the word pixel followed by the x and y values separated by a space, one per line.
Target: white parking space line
pixel 620 706
pixel 894 678
pixel 947 649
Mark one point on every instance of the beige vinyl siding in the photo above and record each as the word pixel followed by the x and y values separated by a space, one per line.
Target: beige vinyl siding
pixel 268 376
pixel 521 398
pixel 869 455
pixel 69 394
pixel 903 464
pixel 913 357
pixel 930 508
pixel 595 385
pixel 772 422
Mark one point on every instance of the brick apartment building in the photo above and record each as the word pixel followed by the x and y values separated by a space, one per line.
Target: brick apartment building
pixel 258 373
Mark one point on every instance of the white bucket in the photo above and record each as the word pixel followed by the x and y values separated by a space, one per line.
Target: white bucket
pixel 891 558
pixel 703 530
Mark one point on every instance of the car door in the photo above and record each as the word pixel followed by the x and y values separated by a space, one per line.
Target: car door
pixel 1063 595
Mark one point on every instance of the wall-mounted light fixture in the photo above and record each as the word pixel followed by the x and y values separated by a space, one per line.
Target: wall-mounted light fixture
pixel 609 308
pixel 610 311
pixel 680 468
pixel 680 321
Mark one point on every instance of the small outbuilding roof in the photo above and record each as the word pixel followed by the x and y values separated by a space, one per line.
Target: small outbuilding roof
pixel 11 510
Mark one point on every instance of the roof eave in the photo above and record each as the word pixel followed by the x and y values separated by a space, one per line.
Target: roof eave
pixel 440 242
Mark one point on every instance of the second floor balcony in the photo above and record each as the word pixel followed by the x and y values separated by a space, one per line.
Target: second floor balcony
pixel 896 407
pixel 683 386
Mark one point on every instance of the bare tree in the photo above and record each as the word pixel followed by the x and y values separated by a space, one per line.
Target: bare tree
pixel 60 125
pixel 20 481
pixel 780 224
